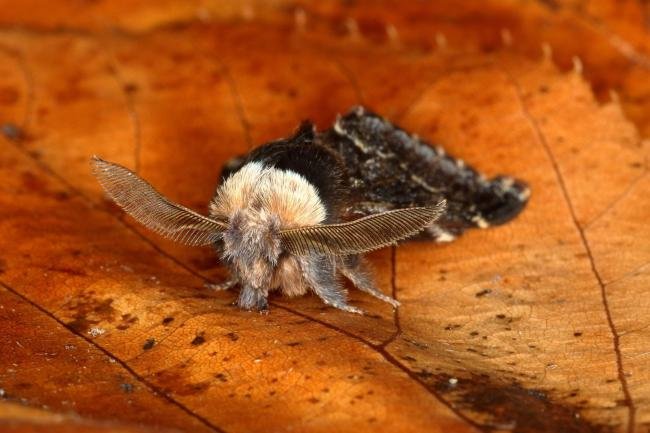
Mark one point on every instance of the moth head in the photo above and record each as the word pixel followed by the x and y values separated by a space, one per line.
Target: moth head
pixel 252 235
pixel 252 245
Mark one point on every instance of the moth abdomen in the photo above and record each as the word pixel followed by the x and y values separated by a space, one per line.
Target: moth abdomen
pixel 390 168
pixel 499 200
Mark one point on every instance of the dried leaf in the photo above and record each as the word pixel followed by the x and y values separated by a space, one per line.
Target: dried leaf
pixel 537 325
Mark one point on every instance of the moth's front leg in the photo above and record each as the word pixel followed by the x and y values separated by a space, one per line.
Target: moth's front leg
pixel 320 274
pixel 227 284
pixel 255 280
pixel 230 282
pixel 253 298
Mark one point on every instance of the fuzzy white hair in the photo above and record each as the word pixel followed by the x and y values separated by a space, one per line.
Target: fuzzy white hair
pixel 283 193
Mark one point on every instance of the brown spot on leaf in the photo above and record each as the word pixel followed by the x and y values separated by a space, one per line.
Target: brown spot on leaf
pixel 130 88
pixel 8 95
pixel 453 326
pixel 513 407
pixel 86 311
pixel 198 340
pixel 33 183
pixel 149 344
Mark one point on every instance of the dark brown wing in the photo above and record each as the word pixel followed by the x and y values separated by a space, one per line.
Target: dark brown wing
pixel 140 200
pixel 365 234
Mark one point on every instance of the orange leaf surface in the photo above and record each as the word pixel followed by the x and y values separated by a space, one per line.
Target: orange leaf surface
pixel 537 325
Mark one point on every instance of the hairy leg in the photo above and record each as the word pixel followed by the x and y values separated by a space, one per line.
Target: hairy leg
pixel 354 269
pixel 251 298
pixel 320 274
pixel 224 285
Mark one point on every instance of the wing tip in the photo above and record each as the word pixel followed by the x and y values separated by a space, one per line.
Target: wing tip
pixel 96 159
pixel 441 206
pixel 98 164
pixel 437 210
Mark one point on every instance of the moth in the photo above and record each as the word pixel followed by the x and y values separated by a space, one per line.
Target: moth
pixel 295 212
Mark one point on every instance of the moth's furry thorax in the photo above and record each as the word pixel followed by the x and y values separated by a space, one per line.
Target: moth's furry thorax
pixel 256 188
